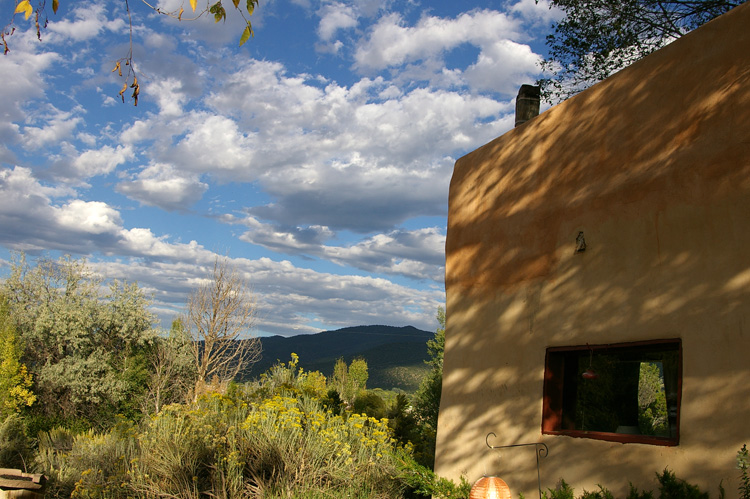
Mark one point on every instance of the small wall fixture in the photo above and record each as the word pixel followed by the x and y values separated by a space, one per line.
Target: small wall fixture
pixel 580 243
pixel 490 487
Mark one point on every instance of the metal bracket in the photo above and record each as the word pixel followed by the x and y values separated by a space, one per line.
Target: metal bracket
pixel 541 451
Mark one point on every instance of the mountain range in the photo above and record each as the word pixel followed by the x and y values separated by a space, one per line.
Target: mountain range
pixel 395 355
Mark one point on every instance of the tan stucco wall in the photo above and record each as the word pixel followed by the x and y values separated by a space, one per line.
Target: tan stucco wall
pixel 653 165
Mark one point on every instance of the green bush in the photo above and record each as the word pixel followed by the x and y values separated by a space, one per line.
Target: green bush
pixel 562 491
pixel 670 487
pixel 15 446
pixel 742 465
pixel 87 464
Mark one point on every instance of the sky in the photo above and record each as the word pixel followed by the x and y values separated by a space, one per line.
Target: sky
pixel 316 157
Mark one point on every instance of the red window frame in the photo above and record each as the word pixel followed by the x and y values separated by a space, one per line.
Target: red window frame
pixel 559 397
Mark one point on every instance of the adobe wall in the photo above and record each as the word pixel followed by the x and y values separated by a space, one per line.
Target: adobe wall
pixel 653 165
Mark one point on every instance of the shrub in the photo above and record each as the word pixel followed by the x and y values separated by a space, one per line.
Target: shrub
pixel 562 491
pixel 602 493
pixel 670 487
pixel 88 464
pixel 742 465
pixel 15 447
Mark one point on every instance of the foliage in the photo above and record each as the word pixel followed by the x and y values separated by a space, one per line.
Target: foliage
pixel 172 370
pixel 87 464
pixel 670 487
pixel 349 380
pixel 652 401
pixel 369 403
pixel 562 491
pixel 427 398
pixel 425 482
pixel 82 346
pixel 217 10
pixel 597 38
pixel 602 493
pixel 634 493
pixel 15 380
pixel 273 438
pixel 15 446
pixel 743 462
pixel 220 313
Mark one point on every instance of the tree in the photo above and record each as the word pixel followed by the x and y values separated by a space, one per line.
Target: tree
pixel 348 381
pixel 597 38
pixel 427 398
pixel 15 380
pixel 172 370
pixel 82 345
pixel 220 313
pixel 428 393
pixel 41 18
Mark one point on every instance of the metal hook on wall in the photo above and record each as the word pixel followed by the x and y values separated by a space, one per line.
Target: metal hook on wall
pixel 541 451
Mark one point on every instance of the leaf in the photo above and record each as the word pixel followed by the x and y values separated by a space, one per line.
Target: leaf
pixel 117 67
pixel 122 92
pixel 236 4
pixel 218 11
pixel 251 6
pixel 194 4
pixel 55 5
pixel 179 16
pixel 25 7
pixel 246 35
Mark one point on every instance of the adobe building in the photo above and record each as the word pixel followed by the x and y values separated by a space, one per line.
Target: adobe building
pixel 598 281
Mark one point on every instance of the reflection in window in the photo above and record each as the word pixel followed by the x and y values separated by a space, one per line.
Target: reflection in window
pixel 623 392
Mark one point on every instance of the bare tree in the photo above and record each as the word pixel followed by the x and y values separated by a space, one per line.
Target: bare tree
pixel 220 314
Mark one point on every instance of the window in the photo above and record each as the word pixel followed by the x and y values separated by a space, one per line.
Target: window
pixel 626 392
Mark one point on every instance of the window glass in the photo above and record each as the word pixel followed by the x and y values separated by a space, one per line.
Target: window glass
pixel 623 392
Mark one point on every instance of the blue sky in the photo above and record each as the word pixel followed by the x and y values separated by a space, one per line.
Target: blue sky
pixel 317 156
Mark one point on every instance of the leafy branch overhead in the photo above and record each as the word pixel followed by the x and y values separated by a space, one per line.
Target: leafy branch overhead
pixel 597 38
pixel 130 76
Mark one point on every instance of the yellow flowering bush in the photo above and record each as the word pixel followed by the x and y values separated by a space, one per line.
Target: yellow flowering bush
pixel 271 439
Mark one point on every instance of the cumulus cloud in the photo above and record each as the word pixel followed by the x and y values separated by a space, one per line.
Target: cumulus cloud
pixel 332 156
pixel 415 254
pixel 420 51
pixel 289 297
pixel 89 20
pixel 322 165
pixel 392 44
pixel 335 16
pixel 58 126
pixel 101 161
pixel 164 186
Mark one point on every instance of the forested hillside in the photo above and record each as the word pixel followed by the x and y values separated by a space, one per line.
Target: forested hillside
pixel 395 355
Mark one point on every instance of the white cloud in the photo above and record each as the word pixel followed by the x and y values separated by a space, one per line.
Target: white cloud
pixel 288 296
pixel 416 254
pixel 333 156
pixel 101 161
pixel 58 126
pixel 392 44
pixel 215 145
pixel 90 20
pixel 164 186
pixel 92 217
pixel 503 67
pixel 335 16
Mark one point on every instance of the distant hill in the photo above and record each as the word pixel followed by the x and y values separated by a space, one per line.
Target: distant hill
pixel 395 355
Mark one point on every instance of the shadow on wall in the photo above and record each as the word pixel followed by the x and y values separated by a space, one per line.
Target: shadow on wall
pixel 653 164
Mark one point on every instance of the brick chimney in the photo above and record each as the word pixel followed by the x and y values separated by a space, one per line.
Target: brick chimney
pixel 527 103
